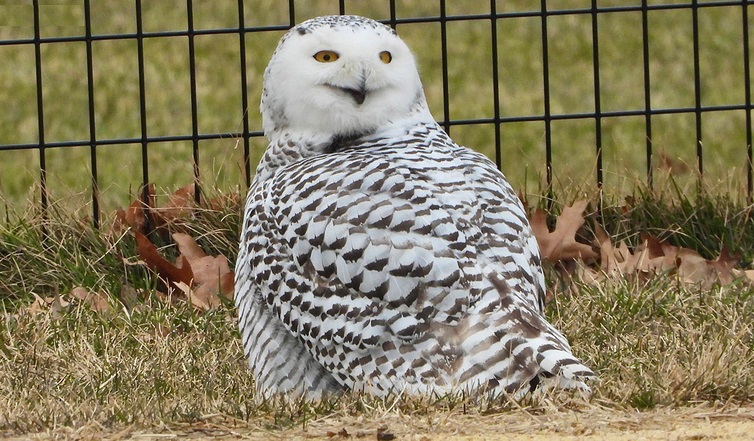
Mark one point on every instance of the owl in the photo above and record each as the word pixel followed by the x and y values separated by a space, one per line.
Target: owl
pixel 376 254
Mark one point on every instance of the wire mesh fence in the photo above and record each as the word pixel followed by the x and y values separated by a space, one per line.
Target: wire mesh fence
pixel 549 90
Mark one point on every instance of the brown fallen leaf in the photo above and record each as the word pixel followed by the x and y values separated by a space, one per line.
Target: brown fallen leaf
pixel 136 215
pixel 619 261
pixel 178 206
pixel 561 243
pixel 39 304
pixel 654 256
pixel 749 274
pixel 96 301
pixel 342 433
pixel 201 278
pixel 725 264
pixel 149 218
pixel 168 271
pixel 53 305
pixel 212 276
pixel 223 201
pixel 201 300
pixel 129 296
pixel 672 165
pixel 384 434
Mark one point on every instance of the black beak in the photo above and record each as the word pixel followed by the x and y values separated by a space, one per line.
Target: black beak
pixel 358 95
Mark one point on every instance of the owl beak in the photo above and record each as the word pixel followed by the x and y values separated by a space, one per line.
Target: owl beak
pixel 358 95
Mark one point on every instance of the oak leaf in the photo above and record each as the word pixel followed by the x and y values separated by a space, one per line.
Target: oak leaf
pixel 561 243
pixel 201 278
pixel 148 218
pixel 212 276
pixel 178 205
pixel 96 301
pixel 53 305
pixel 178 272
pixel 137 215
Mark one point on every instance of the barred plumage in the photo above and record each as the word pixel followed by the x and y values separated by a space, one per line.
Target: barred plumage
pixel 376 254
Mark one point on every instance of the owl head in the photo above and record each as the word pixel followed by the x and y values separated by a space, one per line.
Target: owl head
pixel 341 76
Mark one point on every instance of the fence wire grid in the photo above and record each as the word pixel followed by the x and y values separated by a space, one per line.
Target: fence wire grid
pixel 25 30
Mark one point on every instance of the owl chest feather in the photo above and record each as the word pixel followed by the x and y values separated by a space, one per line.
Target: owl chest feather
pixel 374 246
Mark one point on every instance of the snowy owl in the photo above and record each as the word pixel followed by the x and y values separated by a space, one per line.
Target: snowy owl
pixel 376 254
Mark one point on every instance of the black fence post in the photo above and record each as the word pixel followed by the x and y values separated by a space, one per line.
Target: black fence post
pixel 647 91
pixel 244 93
pixel 697 91
pixel 143 114
pixel 92 119
pixel 495 84
pixel 747 99
pixel 43 44
pixel 40 116
pixel 597 99
pixel 546 95
pixel 444 50
pixel 194 110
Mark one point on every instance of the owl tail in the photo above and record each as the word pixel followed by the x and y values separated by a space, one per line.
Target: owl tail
pixel 559 369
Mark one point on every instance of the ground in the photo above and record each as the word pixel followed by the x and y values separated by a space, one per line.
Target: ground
pixel 596 423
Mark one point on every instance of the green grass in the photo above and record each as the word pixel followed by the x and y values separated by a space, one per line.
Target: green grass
pixel 148 363
pixel 116 101
pixel 704 223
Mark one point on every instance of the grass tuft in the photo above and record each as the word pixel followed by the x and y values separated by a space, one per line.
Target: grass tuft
pixel 702 222
pixel 147 362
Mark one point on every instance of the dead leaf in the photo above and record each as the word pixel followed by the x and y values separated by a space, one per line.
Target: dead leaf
pixel 53 305
pixel 168 271
pixel 201 300
pixel 646 259
pixel 561 243
pixel 672 165
pixel 188 246
pixel 39 304
pixel 221 202
pixel 724 265
pixel 97 302
pixel 201 278
pixel 342 433
pixel 656 256
pixel 149 218
pixel 137 214
pixel 128 296
pixel 178 206
pixel 212 276
pixel 749 274
pixel 384 434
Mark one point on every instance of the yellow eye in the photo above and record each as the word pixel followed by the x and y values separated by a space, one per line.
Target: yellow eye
pixel 326 56
pixel 386 57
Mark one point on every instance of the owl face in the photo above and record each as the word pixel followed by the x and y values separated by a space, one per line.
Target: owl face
pixel 343 76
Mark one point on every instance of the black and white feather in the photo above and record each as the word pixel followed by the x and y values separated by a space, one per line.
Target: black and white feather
pixel 376 254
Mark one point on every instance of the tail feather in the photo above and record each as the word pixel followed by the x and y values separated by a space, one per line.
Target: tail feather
pixel 561 370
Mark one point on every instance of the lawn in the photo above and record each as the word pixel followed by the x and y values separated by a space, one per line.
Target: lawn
pixel 667 352
pixel 469 70
pixel 154 363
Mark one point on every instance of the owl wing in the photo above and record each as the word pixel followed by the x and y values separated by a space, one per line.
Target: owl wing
pixel 362 252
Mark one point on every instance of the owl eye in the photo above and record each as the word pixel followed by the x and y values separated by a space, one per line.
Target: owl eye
pixel 326 56
pixel 386 57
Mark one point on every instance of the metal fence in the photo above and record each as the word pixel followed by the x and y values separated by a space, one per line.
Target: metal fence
pixel 495 16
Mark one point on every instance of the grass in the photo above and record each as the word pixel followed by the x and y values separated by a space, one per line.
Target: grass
pixel 117 113
pixel 150 363
pixel 703 223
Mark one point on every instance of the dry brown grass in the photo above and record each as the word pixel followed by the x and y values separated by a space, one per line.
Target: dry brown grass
pixel 158 365
pixel 147 365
